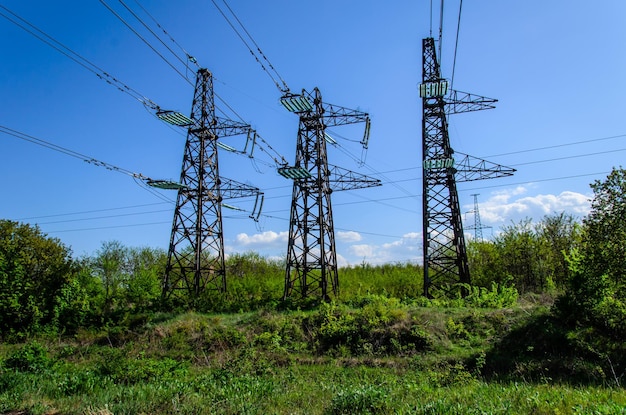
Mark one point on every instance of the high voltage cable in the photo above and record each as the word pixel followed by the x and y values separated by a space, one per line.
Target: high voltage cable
pixel 190 58
pixel 104 217
pixel 184 62
pixel 145 41
pixel 72 153
pixel 139 178
pixel 556 146
pixel 276 157
pixel 111 227
pixel 280 218
pixel 282 89
pixel 285 87
pixel 100 73
pixel 568 157
pixel 77 58
pixel 456 44
pixel 91 211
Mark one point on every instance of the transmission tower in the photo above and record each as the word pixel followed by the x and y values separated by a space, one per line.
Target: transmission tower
pixel 311 257
pixel 195 260
pixel 445 255
pixel 477 226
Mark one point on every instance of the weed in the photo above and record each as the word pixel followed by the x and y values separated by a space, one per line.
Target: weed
pixel 31 357
pixel 368 399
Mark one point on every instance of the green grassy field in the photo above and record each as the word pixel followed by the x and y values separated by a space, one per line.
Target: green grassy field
pixel 380 356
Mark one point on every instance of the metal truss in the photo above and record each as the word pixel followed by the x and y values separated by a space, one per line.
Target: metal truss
pixel 445 255
pixel 311 256
pixel 195 260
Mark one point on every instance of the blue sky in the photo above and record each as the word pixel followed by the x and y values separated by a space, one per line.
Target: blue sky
pixel 557 69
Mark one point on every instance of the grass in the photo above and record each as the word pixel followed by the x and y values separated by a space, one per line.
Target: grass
pixel 377 356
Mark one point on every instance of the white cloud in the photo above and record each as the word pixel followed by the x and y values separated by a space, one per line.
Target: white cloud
pixel 349 236
pixel 505 206
pixel 407 248
pixel 262 239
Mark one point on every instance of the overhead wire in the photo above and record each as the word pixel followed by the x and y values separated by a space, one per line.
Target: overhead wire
pixel 71 153
pixel 456 44
pixel 440 32
pixel 265 146
pixel 276 78
pixel 267 214
pixel 84 212
pixel 77 58
pixel 556 146
pixel 120 18
pixel 140 20
pixel 190 58
pixel 139 178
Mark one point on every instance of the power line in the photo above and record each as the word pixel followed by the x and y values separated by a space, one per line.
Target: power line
pixel 105 217
pixel 276 78
pixel 120 18
pixel 77 58
pixel 110 227
pixel 190 58
pixel 456 44
pixel 71 153
pixel 84 212
pixel 569 157
pixel 154 34
pixel 557 146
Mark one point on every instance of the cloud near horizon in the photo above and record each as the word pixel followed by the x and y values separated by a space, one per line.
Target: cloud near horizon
pixel 507 206
pixel 262 240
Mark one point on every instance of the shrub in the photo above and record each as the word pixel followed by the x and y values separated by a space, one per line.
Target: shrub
pixel 368 399
pixel 31 357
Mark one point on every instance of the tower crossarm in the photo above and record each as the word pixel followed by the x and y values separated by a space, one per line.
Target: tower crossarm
pixel 226 128
pixel 335 115
pixel 458 102
pixel 344 179
pixel 232 189
pixel 472 168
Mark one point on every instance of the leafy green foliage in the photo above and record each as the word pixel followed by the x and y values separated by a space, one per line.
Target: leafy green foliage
pixel 31 357
pixel 34 271
pixel 368 399
pixel 381 327
pixel 122 279
pixel 594 304
pixel 530 256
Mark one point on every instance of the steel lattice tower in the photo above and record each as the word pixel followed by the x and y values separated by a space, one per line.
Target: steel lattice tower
pixel 445 256
pixel 195 260
pixel 311 257
pixel 477 226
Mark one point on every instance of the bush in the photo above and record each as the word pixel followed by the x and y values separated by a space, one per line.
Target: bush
pixel 360 400
pixel 381 327
pixel 31 357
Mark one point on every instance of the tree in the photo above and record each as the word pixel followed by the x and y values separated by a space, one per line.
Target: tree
pixel 34 271
pixel 130 278
pixel 596 292
pixel 559 234
pixel 531 256
pixel 520 249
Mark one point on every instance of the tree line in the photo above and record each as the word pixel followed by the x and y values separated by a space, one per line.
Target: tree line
pixel 580 261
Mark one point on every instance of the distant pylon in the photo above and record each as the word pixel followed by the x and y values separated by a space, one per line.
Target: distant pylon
pixel 445 255
pixel 311 256
pixel 195 260
pixel 477 226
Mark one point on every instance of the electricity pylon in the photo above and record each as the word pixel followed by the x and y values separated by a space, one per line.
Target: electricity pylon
pixel 195 260
pixel 477 226
pixel 445 255
pixel 311 257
